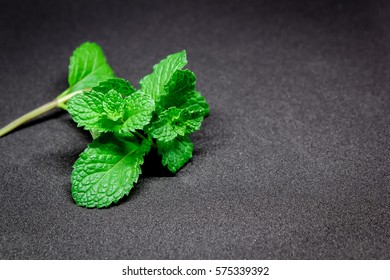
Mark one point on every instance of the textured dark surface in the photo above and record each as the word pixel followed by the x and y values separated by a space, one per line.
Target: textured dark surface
pixel 293 163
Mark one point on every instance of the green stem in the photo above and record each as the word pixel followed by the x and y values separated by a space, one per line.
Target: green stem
pixel 136 133
pixel 59 102
pixel 65 92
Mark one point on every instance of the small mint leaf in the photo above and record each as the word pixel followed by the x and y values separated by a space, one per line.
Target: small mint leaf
pixel 87 110
pixel 178 89
pixel 196 103
pixel 174 122
pixel 180 92
pixel 138 109
pixel 166 128
pixel 153 84
pixel 113 105
pixel 190 120
pixel 175 153
pixel 119 85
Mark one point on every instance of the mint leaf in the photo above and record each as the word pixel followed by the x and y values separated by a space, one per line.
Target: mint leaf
pixel 138 109
pixel 88 66
pixel 191 120
pixel 180 92
pixel 174 122
pixel 197 103
pixel 113 105
pixel 87 110
pixel 153 84
pixel 119 85
pixel 178 89
pixel 166 127
pixel 107 170
pixel 175 153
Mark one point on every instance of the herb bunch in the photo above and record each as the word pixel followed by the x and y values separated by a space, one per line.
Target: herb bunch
pixel 125 123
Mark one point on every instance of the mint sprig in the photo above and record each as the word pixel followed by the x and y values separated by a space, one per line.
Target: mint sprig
pixel 126 123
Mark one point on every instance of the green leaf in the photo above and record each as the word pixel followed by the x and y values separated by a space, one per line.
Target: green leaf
pixel 191 120
pixel 88 67
pixel 138 109
pixel 87 110
pixel 113 105
pixel 178 89
pixel 119 85
pixel 180 92
pixel 174 122
pixel 153 84
pixel 165 128
pixel 175 153
pixel 107 170
pixel 197 103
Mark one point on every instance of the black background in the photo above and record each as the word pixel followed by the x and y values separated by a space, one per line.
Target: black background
pixel 293 162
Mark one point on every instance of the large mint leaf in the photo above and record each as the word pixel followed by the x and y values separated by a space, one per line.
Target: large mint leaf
pixel 107 170
pixel 153 84
pixel 175 153
pixel 88 67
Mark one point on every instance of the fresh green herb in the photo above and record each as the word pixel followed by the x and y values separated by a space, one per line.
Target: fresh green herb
pixel 126 123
